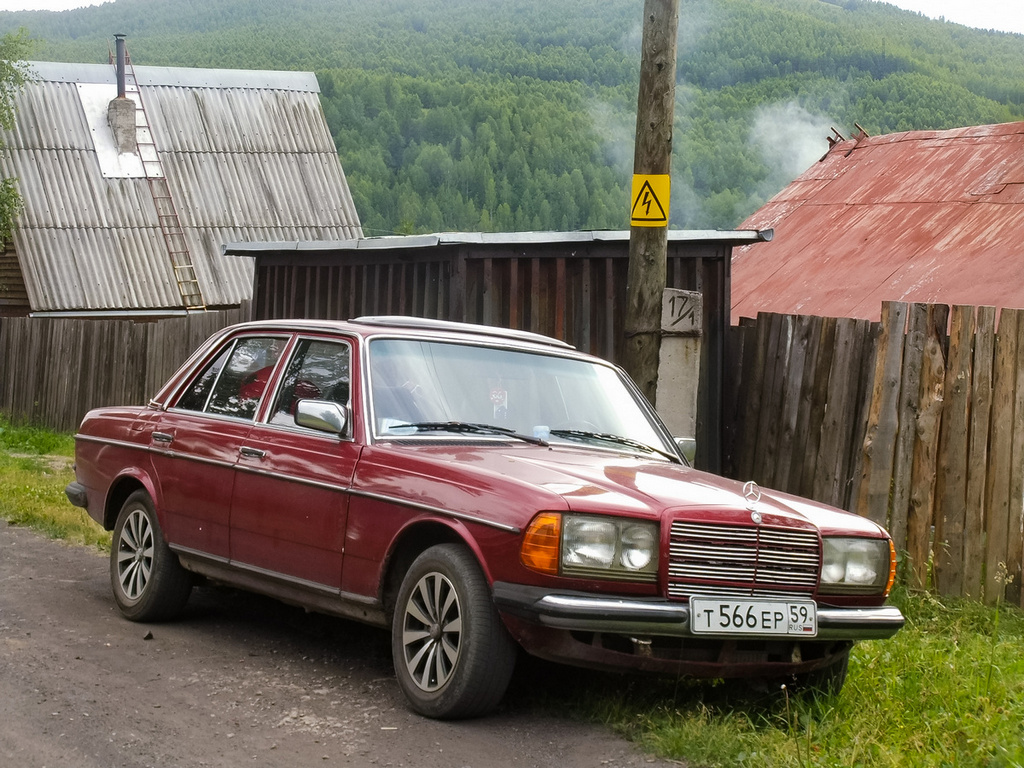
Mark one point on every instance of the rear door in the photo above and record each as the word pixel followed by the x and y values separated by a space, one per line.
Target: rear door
pixel 196 443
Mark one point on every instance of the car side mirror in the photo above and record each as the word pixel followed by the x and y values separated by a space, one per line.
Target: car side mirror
pixel 688 447
pixel 322 415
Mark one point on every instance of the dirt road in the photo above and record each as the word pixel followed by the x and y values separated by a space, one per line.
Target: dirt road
pixel 238 681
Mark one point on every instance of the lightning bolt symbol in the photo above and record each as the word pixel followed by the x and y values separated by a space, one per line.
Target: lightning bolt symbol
pixel 646 203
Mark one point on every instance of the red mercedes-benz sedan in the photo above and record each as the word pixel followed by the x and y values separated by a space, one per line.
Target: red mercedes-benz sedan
pixel 473 489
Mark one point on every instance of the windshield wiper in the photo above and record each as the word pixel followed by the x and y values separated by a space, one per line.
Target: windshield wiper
pixel 582 434
pixel 463 427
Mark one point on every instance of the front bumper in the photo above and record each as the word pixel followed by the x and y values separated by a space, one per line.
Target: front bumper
pixel 586 612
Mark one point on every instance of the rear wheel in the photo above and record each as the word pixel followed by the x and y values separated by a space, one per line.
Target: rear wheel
pixel 453 656
pixel 149 583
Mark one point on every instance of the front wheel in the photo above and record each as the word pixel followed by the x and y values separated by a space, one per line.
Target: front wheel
pixel 453 656
pixel 148 581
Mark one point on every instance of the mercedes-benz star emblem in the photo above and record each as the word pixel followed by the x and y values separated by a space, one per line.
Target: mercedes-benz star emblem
pixel 753 495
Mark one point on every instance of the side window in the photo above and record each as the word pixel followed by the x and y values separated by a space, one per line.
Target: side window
pixel 233 383
pixel 194 398
pixel 318 370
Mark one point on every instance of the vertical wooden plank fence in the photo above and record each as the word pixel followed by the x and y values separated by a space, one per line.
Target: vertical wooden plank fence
pixel 916 422
pixel 801 386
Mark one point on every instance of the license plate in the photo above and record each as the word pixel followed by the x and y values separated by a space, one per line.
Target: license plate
pixel 725 616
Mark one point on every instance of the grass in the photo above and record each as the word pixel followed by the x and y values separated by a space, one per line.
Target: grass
pixel 948 690
pixel 35 466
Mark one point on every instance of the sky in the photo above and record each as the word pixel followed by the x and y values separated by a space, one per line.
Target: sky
pixel 1004 15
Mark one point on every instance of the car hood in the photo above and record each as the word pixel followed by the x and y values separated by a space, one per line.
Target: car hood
pixel 606 482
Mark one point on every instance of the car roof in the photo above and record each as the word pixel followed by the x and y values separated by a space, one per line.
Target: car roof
pixel 418 326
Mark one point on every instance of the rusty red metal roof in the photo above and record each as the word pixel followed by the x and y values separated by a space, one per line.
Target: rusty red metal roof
pixel 930 216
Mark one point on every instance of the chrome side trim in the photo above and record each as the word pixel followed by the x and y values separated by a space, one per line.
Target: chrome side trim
pixel 109 441
pixel 313 483
pixel 196 459
pixel 171 454
pixel 251 470
pixel 288 589
pixel 188 552
pixel 434 510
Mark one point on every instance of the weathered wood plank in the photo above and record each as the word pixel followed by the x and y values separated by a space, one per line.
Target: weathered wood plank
pixel 774 382
pixel 1000 455
pixel 792 398
pixel 828 479
pixel 808 339
pixel 977 464
pixel 922 495
pixel 879 449
pixel 951 485
pixel 1014 533
pixel 853 417
pixel 818 407
pixel 858 412
pixel 748 440
pixel 910 400
pixel 738 364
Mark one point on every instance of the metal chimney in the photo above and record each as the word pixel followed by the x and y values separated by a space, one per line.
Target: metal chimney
pixel 119 43
pixel 121 110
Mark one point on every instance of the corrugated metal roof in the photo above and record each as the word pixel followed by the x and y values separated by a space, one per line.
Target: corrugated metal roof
pixel 929 216
pixel 247 155
pixel 729 237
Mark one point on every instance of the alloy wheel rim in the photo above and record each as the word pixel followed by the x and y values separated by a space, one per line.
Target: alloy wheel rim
pixel 135 555
pixel 432 632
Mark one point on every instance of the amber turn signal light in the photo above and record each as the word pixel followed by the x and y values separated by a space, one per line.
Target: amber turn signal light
pixel 892 567
pixel 540 550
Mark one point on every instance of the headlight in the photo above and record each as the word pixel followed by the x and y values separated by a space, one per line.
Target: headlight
pixel 856 566
pixel 592 545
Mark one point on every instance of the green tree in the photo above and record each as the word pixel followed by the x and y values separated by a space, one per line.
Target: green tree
pixel 14 47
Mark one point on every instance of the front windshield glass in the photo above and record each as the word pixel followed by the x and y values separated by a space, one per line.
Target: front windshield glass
pixel 428 382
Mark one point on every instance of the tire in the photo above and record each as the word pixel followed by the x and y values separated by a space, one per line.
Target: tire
pixel 149 583
pixel 453 656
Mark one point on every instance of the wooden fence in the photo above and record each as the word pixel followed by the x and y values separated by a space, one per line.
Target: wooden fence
pixel 916 422
pixel 53 370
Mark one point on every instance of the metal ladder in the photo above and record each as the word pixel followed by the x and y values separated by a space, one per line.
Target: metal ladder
pixel 167 214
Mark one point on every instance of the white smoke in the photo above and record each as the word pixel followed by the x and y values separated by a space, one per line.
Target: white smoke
pixel 790 140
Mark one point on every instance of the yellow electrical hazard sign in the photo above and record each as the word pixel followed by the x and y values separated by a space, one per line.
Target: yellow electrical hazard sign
pixel 650 200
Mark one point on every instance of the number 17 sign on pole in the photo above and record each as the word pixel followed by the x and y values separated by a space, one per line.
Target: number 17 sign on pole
pixel 650 200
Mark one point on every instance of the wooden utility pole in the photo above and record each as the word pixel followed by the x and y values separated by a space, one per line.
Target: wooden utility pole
pixel 649 204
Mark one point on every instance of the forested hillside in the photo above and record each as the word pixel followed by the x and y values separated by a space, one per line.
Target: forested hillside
pixel 518 114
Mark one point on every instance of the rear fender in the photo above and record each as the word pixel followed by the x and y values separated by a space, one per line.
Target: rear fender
pixel 123 486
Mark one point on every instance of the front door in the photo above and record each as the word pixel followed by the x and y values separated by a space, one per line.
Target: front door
pixel 290 501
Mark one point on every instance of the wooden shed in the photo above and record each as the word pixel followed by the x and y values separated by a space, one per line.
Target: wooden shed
pixel 569 285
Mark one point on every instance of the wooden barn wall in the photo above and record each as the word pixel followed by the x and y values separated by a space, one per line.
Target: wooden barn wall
pixel 13 294
pixel 53 370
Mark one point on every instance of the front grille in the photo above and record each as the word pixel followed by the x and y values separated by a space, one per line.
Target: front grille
pixel 742 561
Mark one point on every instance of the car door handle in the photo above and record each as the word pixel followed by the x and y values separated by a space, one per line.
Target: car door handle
pixel 162 437
pixel 252 453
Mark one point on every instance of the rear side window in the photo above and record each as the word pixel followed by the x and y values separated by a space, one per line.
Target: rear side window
pixel 233 383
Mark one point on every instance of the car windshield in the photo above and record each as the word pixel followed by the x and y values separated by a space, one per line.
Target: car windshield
pixel 473 388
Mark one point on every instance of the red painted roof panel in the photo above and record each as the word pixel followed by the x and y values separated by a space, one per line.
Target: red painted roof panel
pixel 932 216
